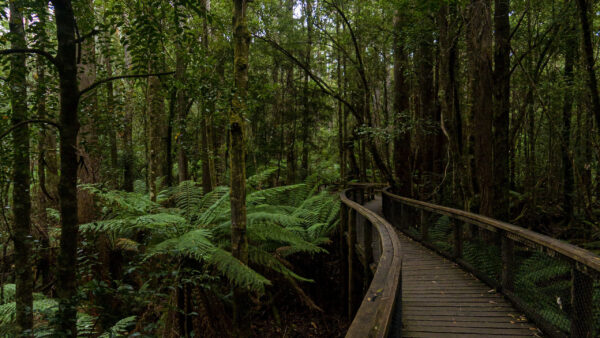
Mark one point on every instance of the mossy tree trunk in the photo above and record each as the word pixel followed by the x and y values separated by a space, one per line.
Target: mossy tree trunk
pixel 66 283
pixel 479 44
pixel 237 153
pixel 21 180
pixel 502 109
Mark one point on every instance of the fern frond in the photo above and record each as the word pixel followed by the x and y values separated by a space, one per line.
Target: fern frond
pixel 267 260
pixel 120 328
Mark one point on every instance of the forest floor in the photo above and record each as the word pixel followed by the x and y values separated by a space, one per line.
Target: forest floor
pixel 295 318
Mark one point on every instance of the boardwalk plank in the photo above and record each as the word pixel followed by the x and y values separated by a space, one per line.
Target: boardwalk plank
pixel 439 299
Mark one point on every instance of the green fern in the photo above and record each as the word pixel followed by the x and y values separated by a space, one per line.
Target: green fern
pixel 120 328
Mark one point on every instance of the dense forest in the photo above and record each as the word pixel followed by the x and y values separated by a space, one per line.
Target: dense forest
pixel 169 168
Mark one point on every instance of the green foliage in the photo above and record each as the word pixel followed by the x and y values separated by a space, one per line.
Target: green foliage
pixel 120 328
pixel 281 221
pixel 545 283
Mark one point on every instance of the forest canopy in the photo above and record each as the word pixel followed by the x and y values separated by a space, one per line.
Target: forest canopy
pixel 168 167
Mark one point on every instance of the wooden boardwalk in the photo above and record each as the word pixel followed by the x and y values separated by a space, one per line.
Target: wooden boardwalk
pixel 439 299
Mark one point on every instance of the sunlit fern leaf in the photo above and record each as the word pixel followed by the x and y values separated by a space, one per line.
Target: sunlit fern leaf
pixel 121 328
pixel 260 232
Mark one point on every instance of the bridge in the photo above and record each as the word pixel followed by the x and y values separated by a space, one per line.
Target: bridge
pixel 416 269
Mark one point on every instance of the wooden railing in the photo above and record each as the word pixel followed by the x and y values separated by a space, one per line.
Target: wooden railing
pixel 556 284
pixel 373 267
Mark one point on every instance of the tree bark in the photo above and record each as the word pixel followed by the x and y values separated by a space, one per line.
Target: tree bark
pixel 66 316
pixel 570 49
pixel 401 113
pixel 588 52
pixel 479 42
pixel 21 181
pixel 502 109
pixel 239 241
pixel 157 131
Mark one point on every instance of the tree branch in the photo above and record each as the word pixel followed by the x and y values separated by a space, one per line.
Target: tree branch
pixel 41 52
pixel 22 123
pixel 97 83
pixel 322 84
pixel 85 36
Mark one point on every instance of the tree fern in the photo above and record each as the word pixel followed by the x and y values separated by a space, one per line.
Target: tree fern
pixel 120 328
pixel 197 245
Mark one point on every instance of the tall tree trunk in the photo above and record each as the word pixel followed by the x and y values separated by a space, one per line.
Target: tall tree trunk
pixel 479 42
pixel 401 113
pixel 588 52
pixel 208 163
pixel 112 131
pixel 570 48
pixel 66 284
pixel 239 241
pixel 181 107
pixel 157 131
pixel 89 149
pixel 21 181
pixel 449 104
pixel 306 114
pixel 502 109
pixel 426 113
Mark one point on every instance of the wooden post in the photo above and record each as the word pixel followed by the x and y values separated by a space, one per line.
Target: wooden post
pixel 424 226
pixel 458 238
pixel 404 217
pixel 343 241
pixel 367 244
pixel 351 243
pixel 581 300
pixel 508 262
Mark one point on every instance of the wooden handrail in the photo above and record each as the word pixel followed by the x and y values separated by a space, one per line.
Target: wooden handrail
pixel 586 259
pixel 585 265
pixel 374 316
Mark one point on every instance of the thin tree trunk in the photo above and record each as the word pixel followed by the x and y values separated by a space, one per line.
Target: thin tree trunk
pixel 21 181
pixel 66 285
pixel 239 241
pixel 588 52
pixel 401 113
pixel 479 42
pixel 567 165
pixel 502 109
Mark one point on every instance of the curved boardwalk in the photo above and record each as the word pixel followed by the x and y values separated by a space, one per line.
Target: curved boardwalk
pixel 441 300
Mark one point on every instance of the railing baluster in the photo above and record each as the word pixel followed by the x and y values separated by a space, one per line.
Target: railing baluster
pixel 508 262
pixel 367 244
pixel 351 244
pixel 581 300
pixel 458 238
pixel 424 226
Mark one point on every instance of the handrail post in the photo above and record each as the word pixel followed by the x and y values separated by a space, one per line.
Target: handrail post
pixel 351 244
pixel 581 299
pixel 343 241
pixel 424 226
pixel 458 239
pixel 508 262
pixel 367 244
